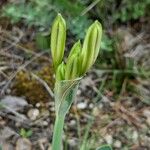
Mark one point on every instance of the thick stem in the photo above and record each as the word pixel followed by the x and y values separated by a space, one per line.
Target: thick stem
pixel 57 135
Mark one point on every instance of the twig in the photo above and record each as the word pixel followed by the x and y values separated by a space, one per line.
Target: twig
pixel 89 7
pixel 19 69
pixel 44 84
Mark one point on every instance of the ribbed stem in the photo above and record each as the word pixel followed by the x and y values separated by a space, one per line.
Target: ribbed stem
pixel 57 135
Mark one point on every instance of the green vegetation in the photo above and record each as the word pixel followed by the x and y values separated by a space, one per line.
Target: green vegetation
pixel 69 75
pixel 30 13
pixel 25 133
pixel 121 11
pixel 119 82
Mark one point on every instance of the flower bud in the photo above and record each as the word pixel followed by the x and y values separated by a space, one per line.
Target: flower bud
pixel 60 72
pixel 75 49
pixel 91 46
pixel 58 38
pixel 72 67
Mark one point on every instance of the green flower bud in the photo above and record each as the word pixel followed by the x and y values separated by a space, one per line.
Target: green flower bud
pixel 91 46
pixel 75 49
pixel 60 72
pixel 58 38
pixel 72 67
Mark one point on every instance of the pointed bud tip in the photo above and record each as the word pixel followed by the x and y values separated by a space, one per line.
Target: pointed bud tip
pixel 59 15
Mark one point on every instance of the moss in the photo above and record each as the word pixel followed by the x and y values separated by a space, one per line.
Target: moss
pixel 33 90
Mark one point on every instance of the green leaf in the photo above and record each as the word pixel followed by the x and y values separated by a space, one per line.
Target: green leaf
pixel 104 147
pixel 23 132
pixel 29 133
pixel 65 92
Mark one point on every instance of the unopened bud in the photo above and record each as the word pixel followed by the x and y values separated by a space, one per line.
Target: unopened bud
pixel 91 46
pixel 72 67
pixel 58 38
pixel 60 72
pixel 75 49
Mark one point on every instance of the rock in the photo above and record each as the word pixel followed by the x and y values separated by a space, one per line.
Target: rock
pixel 91 105
pixel 23 144
pixel 2 122
pixel 6 133
pixel 81 105
pixel 108 139
pixel 95 111
pixel 38 105
pixel 45 123
pixel 43 143
pixel 33 113
pixel 13 103
pixel 72 142
pixel 79 92
pixel 72 123
pixel 117 144
pixel 146 113
pixel 148 121
pixel 135 136
pixel 7 146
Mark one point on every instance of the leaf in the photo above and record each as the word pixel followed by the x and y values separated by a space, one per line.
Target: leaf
pixel 23 132
pixel 29 133
pixel 65 92
pixel 104 147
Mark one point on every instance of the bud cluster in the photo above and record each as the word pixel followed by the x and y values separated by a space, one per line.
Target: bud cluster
pixel 81 58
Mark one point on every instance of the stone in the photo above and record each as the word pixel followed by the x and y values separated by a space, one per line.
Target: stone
pixel 108 139
pixel 23 144
pixel 6 133
pixel 45 123
pixel 81 105
pixel 33 113
pixel 117 144
pixel 146 113
pixel 72 142
pixel 135 136
pixel 72 123
pixel 13 103
pixel 95 111
pixel 7 146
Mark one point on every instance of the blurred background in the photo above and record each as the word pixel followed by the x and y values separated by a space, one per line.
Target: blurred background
pixel 113 101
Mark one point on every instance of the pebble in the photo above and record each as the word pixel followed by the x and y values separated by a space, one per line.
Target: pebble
pixel 100 106
pixel 135 135
pixel 117 144
pixel 33 113
pixel 38 105
pixel 79 92
pixel 72 123
pixel 72 142
pixel 6 133
pixel 23 144
pixel 2 122
pixel 108 139
pixel 18 124
pixel 13 103
pixel 146 113
pixel 52 103
pixel 95 111
pixel 7 146
pixel 91 105
pixel 45 123
pixel 148 121
pixel 52 109
pixel 81 105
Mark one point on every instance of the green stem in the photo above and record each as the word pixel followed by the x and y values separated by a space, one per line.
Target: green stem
pixel 57 135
